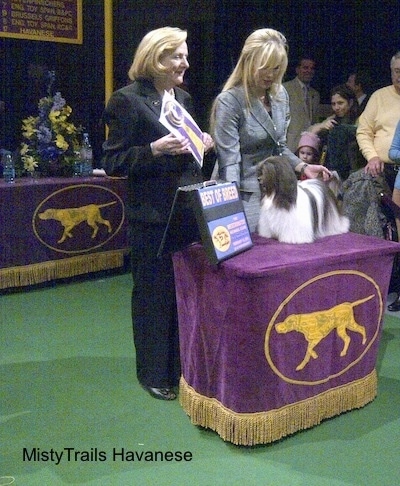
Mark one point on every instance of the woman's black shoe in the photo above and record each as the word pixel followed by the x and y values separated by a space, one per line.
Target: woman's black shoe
pixel 160 393
pixel 395 305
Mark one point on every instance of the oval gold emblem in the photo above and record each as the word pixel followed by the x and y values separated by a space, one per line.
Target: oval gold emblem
pixel 324 328
pixel 78 218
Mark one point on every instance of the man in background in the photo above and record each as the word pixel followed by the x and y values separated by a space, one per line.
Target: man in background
pixel 376 128
pixel 304 101
pixel 360 83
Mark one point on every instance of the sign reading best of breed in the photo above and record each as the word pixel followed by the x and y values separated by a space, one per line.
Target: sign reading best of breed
pixel 217 212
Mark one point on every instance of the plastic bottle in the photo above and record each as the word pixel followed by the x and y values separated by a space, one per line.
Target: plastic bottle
pixel 86 156
pixel 8 168
pixel 77 164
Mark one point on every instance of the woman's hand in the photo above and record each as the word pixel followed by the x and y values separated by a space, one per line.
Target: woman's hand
pixel 208 142
pixel 327 124
pixel 313 171
pixel 170 145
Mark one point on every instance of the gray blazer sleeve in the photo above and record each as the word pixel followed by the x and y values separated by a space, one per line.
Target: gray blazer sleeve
pixel 244 135
pixel 229 119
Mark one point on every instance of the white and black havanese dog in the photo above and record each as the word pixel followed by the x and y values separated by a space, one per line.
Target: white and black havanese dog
pixel 295 211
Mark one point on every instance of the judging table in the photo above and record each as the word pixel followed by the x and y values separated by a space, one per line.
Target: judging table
pixel 280 337
pixel 60 227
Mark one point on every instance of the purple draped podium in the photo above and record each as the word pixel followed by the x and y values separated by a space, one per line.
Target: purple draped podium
pixel 281 336
pixel 60 227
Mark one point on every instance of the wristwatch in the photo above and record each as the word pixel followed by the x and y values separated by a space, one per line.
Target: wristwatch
pixel 303 168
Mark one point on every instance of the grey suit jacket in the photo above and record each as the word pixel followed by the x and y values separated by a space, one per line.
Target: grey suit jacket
pixel 299 118
pixel 245 137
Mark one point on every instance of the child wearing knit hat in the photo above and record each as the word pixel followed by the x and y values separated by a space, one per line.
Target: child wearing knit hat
pixel 308 149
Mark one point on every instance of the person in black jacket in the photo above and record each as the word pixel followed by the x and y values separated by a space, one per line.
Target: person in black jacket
pixel 338 133
pixel 360 83
pixel 156 163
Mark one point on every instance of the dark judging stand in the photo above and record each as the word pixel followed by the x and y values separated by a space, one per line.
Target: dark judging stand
pixel 280 337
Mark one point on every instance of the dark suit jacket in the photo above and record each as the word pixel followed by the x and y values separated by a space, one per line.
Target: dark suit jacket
pixel 132 115
pixel 363 104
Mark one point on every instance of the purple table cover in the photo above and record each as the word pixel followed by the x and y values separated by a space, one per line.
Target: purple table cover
pixel 281 336
pixel 60 227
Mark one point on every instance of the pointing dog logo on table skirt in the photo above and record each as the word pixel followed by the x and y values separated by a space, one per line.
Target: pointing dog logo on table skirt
pixel 315 326
pixel 293 211
pixel 71 217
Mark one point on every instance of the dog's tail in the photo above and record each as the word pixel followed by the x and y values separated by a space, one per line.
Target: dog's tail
pixel 361 301
pixel 314 209
pixel 106 204
pixel 329 220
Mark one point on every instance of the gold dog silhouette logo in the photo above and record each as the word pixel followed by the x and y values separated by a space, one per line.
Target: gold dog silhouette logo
pixel 71 217
pixel 316 326
pixel 334 338
pixel 64 226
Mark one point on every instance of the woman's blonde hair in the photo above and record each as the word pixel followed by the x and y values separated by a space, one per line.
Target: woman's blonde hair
pixel 155 45
pixel 264 48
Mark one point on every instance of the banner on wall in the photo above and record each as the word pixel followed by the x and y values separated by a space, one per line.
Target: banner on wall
pixel 43 20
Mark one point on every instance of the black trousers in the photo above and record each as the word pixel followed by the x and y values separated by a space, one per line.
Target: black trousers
pixel 154 312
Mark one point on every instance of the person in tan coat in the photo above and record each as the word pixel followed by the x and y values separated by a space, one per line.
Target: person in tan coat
pixel 304 102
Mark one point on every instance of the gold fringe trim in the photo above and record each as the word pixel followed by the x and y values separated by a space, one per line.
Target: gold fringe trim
pixel 265 427
pixel 64 268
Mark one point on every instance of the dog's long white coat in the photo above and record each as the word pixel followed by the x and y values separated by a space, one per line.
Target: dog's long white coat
pixel 296 225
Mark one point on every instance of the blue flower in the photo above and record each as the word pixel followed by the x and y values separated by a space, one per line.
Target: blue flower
pixel 58 102
pixel 44 134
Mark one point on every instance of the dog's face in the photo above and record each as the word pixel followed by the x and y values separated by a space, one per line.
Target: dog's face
pixel 287 325
pixel 277 181
pixel 47 214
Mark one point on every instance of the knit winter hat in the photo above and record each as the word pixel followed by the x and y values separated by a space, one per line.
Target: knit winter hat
pixel 309 139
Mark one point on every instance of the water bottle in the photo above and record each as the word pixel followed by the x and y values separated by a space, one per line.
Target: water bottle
pixel 8 168
pixel 77 164
pixel 86 156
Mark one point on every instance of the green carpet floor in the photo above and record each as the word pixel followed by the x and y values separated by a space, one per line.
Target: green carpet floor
pixel 67 383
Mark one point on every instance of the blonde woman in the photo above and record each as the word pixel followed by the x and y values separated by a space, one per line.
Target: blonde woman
pixel 156 163
pixel 250 118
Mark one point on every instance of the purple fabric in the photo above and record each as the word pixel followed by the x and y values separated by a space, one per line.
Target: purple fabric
pixel 230 347
pixel 26 239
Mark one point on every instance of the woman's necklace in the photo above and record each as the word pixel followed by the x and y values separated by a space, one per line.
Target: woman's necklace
pixel 266 102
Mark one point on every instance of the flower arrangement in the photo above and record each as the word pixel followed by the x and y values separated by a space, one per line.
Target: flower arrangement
pixel 50 138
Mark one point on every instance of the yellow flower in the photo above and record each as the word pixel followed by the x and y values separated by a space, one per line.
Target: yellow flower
pixel 53 115
pixel 30 163
pixel 28 126
pixel 70 128
pixel 61 142
pixel 24 148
